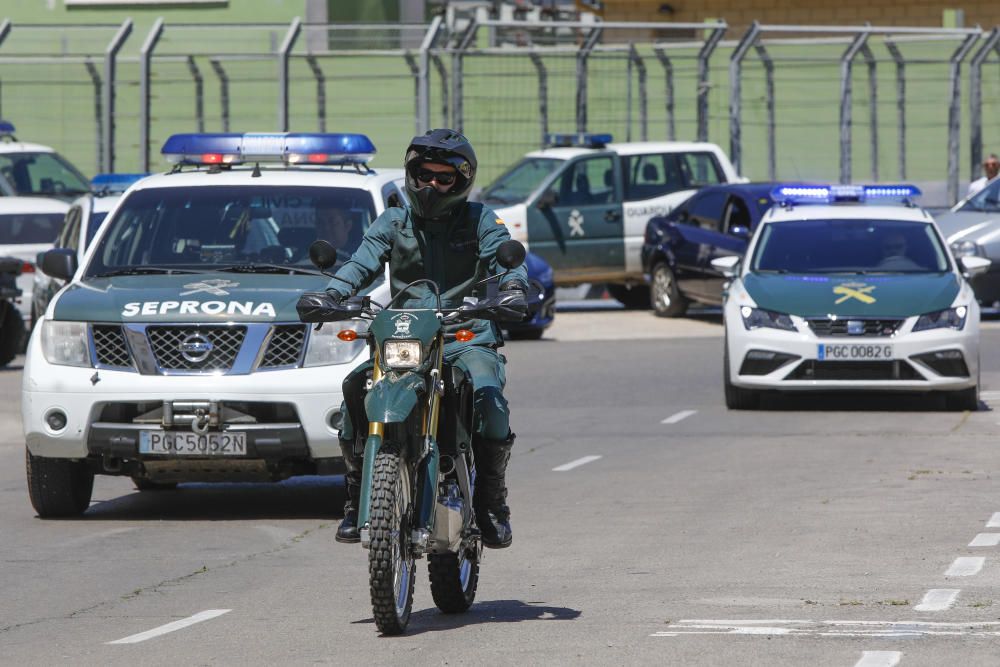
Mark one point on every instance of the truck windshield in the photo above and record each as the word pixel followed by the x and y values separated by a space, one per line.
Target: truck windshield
pixel 519 181
pixel 206 228
pixel 42 174
pixel 25 228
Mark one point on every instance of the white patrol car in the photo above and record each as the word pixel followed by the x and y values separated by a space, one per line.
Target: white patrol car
pixel 833 294
pixel 583 204
pixel 34 170
pixel 175 353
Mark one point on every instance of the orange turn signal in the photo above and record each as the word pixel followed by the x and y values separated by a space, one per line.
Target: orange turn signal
pixel 464 335
pixel 348 335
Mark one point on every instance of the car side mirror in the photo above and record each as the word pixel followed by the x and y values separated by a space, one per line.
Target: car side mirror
pixel 547 199
pixel 727 266
pixel 972 266
pixel 739 231
pixel 59 263
pixel 322 254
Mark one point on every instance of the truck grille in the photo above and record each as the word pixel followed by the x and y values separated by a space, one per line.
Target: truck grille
pixel 109 343
pixel 853 327
pixel 285 346
pixel 194 348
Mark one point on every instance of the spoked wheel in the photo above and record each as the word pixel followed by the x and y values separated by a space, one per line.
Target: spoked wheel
pixel 390 559
pixel 454 579
pixel 665 297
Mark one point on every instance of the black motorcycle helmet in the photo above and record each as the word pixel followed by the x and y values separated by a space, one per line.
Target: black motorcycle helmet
pixel 442 146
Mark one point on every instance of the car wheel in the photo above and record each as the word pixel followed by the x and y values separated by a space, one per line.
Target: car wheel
pixel 633 298
pixel 737 398
pixel 11 335
pixel 666 299
pixel 526 334
pixel 143 484
pixel 58 487
pixel 963 399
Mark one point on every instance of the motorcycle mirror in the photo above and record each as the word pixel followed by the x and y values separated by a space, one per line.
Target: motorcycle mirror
pixel 510 254
pixel 322 254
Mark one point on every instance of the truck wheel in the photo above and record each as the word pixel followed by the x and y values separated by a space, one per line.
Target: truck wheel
pixel 58 487
pixel 633 298
pixel 963 399
pixel 665 297
pixel 11 335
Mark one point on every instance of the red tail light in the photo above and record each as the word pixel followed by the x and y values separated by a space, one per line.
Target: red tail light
pixel 28 268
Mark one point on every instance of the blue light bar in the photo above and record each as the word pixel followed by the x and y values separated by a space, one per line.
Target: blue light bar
pixel 288 148
pixel 829 194
pixel 6 127
pixel 113 183
pixel 580 140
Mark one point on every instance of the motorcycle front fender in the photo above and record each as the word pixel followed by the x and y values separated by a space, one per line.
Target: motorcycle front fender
pixel 392 399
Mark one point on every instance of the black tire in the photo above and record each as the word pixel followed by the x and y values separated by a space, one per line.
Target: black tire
pixel 58 487
pixel 11 335
pixel 664 296
pixel 737 398
pixel 147 485
pixel 454 579
pixel 633 298
pixel 390 559
pixel 526 334
pixel 963 399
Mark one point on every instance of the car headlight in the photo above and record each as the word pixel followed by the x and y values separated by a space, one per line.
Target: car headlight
pixel 966 249
pixel 400 354
pixel 950 318
pixel 65 343
pixel 757 318
pixel 325 349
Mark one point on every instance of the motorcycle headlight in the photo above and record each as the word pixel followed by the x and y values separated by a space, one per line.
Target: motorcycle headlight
pixel 757 318
pixel 65 343
pixel 950 318
pixel 400 354
pixel 966 249
pixel 325 349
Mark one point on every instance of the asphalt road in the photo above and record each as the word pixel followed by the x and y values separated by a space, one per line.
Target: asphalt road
pixel 652 526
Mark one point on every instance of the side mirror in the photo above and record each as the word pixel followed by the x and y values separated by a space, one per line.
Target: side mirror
pixel 511 254
pixel 973 266
pixel 59 263
pixel 739 231
pixel 322 254
pixel 547 199
pixel 727 266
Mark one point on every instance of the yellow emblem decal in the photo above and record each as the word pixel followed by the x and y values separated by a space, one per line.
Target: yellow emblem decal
pixel 858 291
pixel 499 221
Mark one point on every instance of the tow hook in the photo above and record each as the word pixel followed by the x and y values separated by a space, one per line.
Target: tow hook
pixel 200 422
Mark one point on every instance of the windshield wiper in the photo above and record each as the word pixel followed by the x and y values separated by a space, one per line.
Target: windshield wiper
pixel 141 270
pixel 252 267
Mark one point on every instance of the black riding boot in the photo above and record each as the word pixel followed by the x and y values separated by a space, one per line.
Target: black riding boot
pixel 490 497
pixel 348 529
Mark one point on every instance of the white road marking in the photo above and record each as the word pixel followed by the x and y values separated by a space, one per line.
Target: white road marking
pixel 831 629
pixel 994 521
pixel 985 540
pixel 683 414
pixel 171 627
pixel 965 566
pixel 938 599
pixel 575 464
pixel 879 659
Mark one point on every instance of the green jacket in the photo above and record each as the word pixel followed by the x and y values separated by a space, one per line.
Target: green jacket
pixel 455 254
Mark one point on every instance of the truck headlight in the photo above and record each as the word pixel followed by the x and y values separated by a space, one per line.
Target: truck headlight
pixel 399 354
pixel 966 249
pixel 756 318
pixel 325 349
pixel 65 343
pixel 950 318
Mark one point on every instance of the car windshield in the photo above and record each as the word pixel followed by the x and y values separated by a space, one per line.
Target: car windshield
pixel 987 199
pixel 93 226
pixel 855 246
pixel 45 174
pixel 213 228
pixel 519 181
pixel 26 228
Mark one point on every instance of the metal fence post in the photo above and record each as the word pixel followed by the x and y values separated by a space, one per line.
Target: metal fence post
pixel 640 68
pixel 772 160
pixel 223 91
pixel 900 104
pixel 581 77
pixel 954 111
pixel 423 75
pixel 145 60
pixel 4 31
pixel 668 70
pixel 457 75
pixel 869 57
pixel 846 100
pixel 95 77
pixel 543 95
pixel 735 94
pixel 704 87
pixel 320 92
pixel 976 99
pixel 110 57
pixel 199 93
pixel 443 73
pixel 284 52
pixel 414 64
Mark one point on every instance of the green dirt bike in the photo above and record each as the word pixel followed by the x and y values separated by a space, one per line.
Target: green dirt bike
pixel 419 472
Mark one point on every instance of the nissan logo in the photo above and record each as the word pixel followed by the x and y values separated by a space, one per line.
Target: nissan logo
pixel 195 348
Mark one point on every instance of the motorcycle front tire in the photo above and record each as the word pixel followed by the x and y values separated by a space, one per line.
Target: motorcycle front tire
pixel 390 558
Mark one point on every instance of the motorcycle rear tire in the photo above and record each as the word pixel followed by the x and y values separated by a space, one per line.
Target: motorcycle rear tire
pixel 390 558
pixel 454 579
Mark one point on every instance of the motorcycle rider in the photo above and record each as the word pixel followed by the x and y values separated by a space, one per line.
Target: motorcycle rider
pixel 441 236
